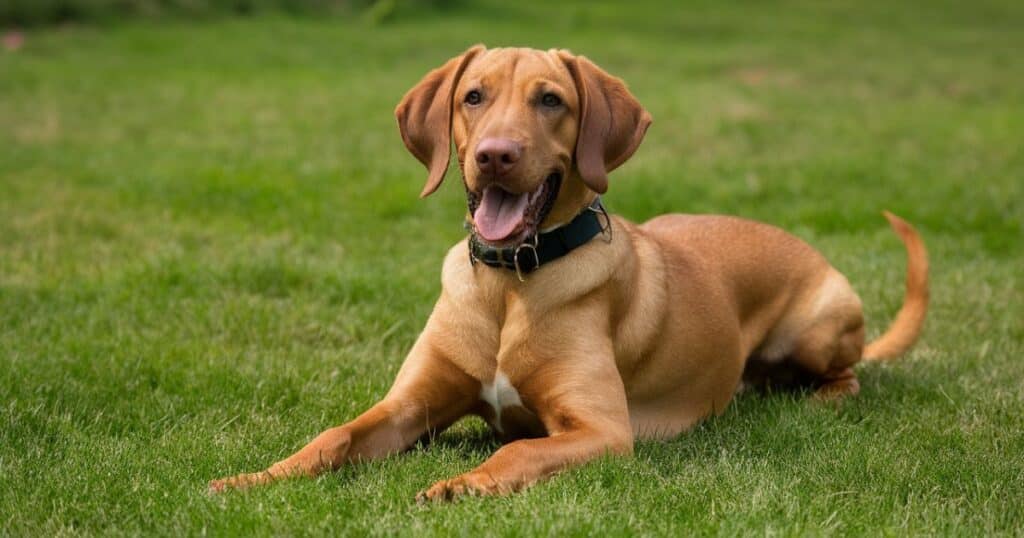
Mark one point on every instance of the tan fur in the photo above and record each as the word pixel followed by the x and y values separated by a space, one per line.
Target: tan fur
pixel 907 326
pixel 639 333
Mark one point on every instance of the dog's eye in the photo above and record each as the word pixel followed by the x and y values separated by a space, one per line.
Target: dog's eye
pixel 473 98
pixel 550 100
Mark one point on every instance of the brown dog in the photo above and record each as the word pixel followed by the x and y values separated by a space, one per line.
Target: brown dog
pixel 578 333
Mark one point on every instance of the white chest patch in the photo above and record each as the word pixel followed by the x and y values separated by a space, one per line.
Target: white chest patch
pixel 499 394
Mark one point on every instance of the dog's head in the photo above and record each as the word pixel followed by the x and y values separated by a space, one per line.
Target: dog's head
pixel 536 134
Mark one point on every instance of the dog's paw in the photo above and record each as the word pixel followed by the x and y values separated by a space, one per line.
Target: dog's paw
pixel 474 484
pixel 242 481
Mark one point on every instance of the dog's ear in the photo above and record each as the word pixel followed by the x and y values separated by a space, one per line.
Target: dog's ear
pixel 425 117
pixel 612 121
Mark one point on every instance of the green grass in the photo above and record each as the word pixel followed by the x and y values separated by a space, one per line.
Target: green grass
pixel 211 249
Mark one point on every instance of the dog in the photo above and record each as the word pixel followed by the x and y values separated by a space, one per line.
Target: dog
pixel 572 332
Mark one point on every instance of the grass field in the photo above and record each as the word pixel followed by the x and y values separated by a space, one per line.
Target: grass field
pixel 211 248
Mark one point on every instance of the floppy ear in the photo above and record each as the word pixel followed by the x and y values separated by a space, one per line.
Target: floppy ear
pixel 425 117
pixel 612 121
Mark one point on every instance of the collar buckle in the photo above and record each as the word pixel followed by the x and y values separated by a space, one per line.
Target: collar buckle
pixel 536 257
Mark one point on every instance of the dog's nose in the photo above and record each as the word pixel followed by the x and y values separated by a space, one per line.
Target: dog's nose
pixel 497 155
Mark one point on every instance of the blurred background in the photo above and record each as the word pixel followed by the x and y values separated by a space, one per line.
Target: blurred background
pixel 44 12
pixel 211 247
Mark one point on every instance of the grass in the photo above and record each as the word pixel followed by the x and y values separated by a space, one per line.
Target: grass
pixel 211 249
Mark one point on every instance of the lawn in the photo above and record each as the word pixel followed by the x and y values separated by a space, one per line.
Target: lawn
pixel 211 249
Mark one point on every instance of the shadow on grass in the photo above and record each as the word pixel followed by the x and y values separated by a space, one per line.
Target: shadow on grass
pixel 781 422
pixel 470 437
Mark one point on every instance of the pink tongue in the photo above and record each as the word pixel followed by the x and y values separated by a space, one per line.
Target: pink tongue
pixel 499 213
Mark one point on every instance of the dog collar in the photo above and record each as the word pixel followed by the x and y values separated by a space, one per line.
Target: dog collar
pixel 546 247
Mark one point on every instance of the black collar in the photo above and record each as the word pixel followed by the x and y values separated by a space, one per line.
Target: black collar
pixel 545 247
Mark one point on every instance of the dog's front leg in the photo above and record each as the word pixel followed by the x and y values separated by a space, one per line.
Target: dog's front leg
pixel 429 394
pixel 583 406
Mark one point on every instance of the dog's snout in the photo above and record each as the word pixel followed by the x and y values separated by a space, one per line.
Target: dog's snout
pixel 497 155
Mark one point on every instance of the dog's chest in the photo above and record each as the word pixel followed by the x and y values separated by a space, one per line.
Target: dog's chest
pixel 500 393
pixel 510 416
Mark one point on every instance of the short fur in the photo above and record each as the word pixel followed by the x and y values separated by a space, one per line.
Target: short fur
pixel 640 333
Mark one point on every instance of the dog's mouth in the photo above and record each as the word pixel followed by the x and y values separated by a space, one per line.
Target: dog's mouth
pixel 503 217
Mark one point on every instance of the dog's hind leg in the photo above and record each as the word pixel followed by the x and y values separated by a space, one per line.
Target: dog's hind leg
pixel 828 351
pixel 831 342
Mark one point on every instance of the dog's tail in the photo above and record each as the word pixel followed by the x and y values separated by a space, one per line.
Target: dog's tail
pixel 907 326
